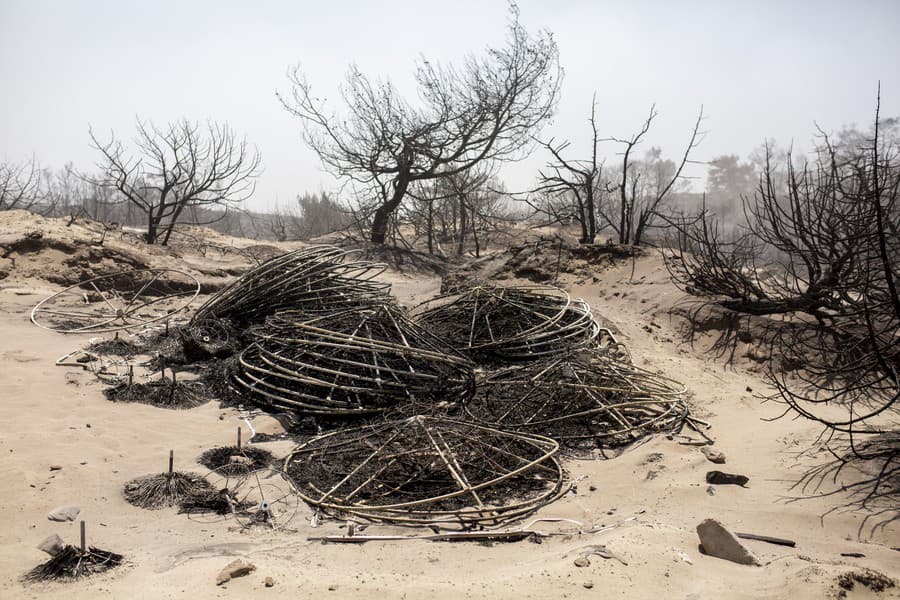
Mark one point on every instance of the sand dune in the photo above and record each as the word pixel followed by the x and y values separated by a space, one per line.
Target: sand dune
pixel 648 501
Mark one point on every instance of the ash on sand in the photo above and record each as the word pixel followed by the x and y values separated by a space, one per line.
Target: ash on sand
pixel 216 501
pixel 115 347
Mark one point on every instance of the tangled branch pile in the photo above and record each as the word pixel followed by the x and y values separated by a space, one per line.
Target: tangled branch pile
pixel 71 563
pixel 164 489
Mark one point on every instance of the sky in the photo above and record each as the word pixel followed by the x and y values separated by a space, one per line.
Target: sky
pixel 760 69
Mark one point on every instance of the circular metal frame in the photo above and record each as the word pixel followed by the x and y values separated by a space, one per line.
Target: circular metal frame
pixel 97 305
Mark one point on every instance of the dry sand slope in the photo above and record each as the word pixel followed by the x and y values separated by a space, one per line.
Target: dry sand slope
pixel 652 496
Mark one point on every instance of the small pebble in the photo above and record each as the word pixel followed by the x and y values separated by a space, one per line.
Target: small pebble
pixel 714 456
pixel 588 584
pixel 269 582
pixel 582 561
pixel 56 467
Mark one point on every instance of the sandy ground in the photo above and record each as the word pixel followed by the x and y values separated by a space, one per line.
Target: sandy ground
pixel 651 497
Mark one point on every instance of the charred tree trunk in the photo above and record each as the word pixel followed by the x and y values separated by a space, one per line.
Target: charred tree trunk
pixel 430 225
pixel 382 216
pixel 462 226
pixel 591 216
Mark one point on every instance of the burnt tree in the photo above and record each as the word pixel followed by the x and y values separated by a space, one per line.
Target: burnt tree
pixel 485 110
pixel 571 189
pixel 818 256
pixel 643 187
pixel 176 168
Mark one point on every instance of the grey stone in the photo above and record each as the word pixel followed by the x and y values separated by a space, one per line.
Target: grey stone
pixel 713 456
pixel 717 541
pixel 582 561
pixel 236 568
pixel 52 544
pixel 62 514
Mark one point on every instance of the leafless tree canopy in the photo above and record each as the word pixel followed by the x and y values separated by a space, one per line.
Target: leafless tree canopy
pixel 631 195
pixel 571 189
pixel 19 185
pixel 454 214
pixel 180 167
pixel 485 110
pixel 643 187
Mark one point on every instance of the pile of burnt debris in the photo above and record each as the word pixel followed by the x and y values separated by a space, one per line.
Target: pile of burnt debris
pixel 456 411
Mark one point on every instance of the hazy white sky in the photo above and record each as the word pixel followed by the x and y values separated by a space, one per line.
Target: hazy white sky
pixel 762 69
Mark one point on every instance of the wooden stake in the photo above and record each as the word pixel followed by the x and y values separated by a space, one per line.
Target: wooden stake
pixel 239 438
pixel 167 328
pixel 171 460
pixel 130 375
pixel 83 539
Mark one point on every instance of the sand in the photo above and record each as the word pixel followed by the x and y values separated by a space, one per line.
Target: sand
pixel 649 499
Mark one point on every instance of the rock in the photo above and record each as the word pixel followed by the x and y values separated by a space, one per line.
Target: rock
pixel 720 478
pixel 64 513
pixel 717 541
pixel 52 544
pixel 56 467
pixel 588 584
pixel 713 456
pixel 240 460
pixel 236 568
pixel 269 582
pixel 582 561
